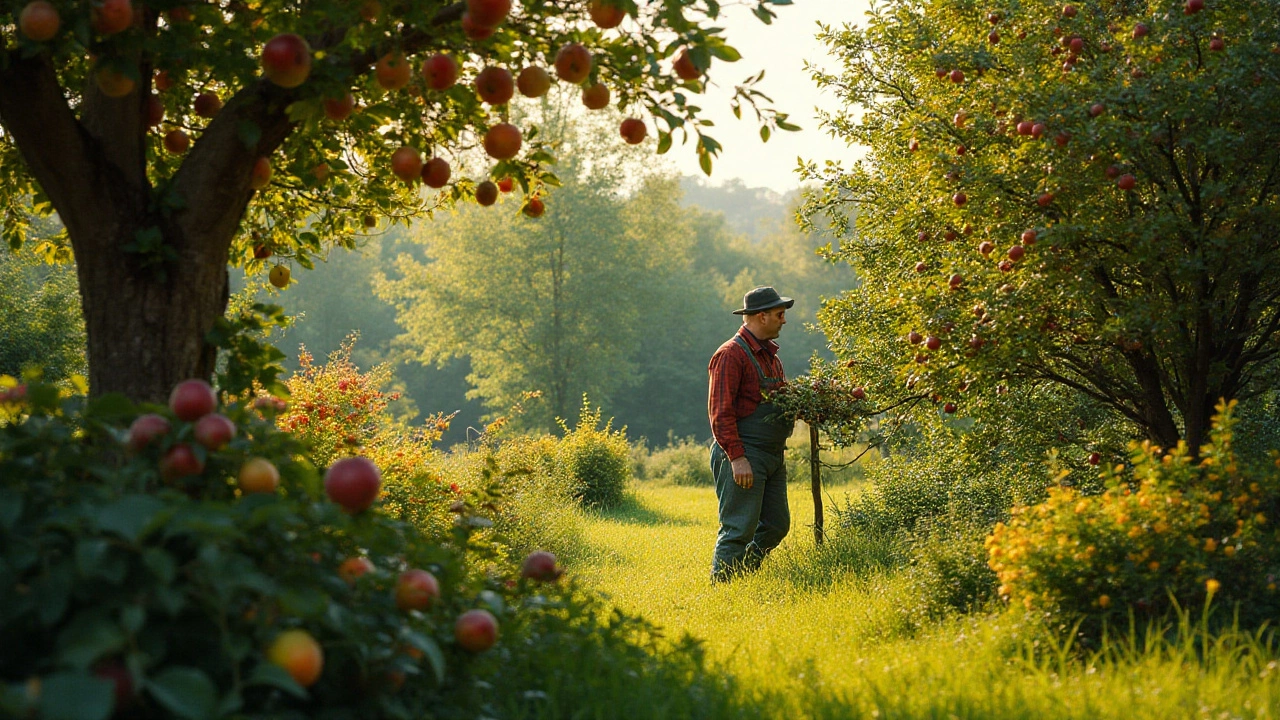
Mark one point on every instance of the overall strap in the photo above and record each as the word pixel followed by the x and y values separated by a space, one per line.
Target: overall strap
pixel 752 356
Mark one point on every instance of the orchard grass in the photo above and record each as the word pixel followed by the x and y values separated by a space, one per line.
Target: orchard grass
pixel 840 631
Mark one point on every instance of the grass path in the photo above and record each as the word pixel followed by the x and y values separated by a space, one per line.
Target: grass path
pixel 815 638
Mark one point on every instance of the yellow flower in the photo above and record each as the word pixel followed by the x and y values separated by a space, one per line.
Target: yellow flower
pixel 1210 544
pixel 1229 550
pixel 1105 600
pixel 1212 586
pixel 1154 565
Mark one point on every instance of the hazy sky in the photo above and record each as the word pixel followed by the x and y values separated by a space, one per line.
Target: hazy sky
pixel 781 50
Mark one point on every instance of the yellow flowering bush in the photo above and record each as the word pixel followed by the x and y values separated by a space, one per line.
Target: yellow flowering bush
pixel 1168 528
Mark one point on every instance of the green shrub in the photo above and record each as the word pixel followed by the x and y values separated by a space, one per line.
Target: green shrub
pixel 683 461
pixel 595 459
pixel 948 564
pixel 1166 530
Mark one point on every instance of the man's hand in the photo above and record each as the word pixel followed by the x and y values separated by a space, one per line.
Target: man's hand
pixel 742 474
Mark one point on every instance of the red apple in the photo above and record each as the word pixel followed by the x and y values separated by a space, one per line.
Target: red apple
pixel 540 565
pixel 914 145
pixel 533 81
pixel 176 142
pixel 976 342
pixel 113 84
pixel 1097 109
pixel 1028 237
pixel 1068 11
pixel 955 281
pixel 286 60
pixel 1094 458
pixel 933 342
pixel 1005 265
pixel 489 13
pixel 207 104
pixel 959 199
pixel 922 266
pixel 993 37
pixel 406 163
pixel 573 63
pixel 1037 130
pixel 534 208
pixel 502 141
pixel 163 81
pixel 1045 199
pixel 596 97
pixel 1217 44
pixel 354 567
pixel 994 18
pixel 1126 182
pixel 339 108
pixel 859 394
pixel 416 590
pixel 506 184
pixel 214 431
pixel 476 630
pixel 633 130
pixel 495 85
pixel 435 172
pixel 1191 7
pixel 985 247
pixel 475 30
pixel 145 429
pixel 39 21
pixel 922 236
pixel 392 71
pixel 1016 252
pixel 1024 127
pixel 192 400
pixel 684 67
pixel 440 71
pixel 261 252
pixel 1077 45
pixel 181 461
pixel 957 76
pixel 1140 30
pixel 353 483
pixel 914 337
pixel 486 193
pixel 111 17
pixel 1112 171
pixel 605 14
pixel 949 408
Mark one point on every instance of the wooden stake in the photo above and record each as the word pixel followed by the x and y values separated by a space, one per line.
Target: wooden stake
pixel 815 476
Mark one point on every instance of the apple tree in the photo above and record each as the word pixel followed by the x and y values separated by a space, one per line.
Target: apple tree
pixel 1082 194
pixel 177 137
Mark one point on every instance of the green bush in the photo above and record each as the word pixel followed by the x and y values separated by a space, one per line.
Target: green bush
pixel 683 461
pixel 1167 531
pixel 595 459
pixel 948 564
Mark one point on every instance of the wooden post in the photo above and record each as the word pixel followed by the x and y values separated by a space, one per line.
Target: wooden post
pixel 815 476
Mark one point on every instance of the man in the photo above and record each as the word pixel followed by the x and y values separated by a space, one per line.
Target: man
pixel 750 437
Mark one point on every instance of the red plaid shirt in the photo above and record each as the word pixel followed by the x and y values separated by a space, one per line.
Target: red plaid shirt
pixel 735 387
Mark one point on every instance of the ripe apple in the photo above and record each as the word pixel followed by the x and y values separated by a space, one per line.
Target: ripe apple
pixel 1140 30
pixel 596 97
pixel 145 429
pixel 922 236
pixel 1045 199
pixel 39 21
pixel 1028 237
pixel 286 60
pixel 933 342
pixel 392 71
pixel 534 208
pixel 354 567
pixel 486 193
pixel 1068 11
pixel 181 461
pixel 339 109
pixel 633 130
pixel 957 76
pixel 113 84
pixel 959 199
pixel 1006 288
pixel 155 110
pixel 1217 44
pixel 1037 130
pixel 440 71
pixel 476 630
pixel 1016 252
pixel 922 266
pixel 914 145
pixel 1191 7
pixel 490 13
pixel 416 590
pixel 111 17
pixel 502 141
pixel 1077 45
pixel 540 565
pixel 955 281
pixel 495 85
pixel 859 393
pixel 994 18
pixel 207 104
pixel 320 172
pixel 985 247
pixel 1005 265
pixel 573 63
pixel 1062 138
pixel 976 342
pixel 533 81
pixel 1094 458
pixel 1024 127
pixel 949 408
pixel 685 68
pixel 475 30
pixel 1097 109
pixel 353 483
pixel 914 337
pixel 163 81
pixel 406 163
pixel 258 475
pixel 279 276
pixel 258 179
pixel 993 37
pixel 435 172
pixel 299 654
pixel 506 184
pixel 1112 171
pixel 605 14
pixel 176 142
pixel 961 150
pixel 192 400
pixel 214 431
pixel 1126 182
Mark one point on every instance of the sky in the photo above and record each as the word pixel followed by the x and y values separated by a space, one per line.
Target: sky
pixel 781 50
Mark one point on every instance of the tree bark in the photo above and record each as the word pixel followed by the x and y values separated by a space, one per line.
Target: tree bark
pixel 815 483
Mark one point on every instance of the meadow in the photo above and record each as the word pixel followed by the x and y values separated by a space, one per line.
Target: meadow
pixel 838 630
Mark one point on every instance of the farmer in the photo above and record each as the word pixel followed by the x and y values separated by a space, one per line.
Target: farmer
pixel 750 437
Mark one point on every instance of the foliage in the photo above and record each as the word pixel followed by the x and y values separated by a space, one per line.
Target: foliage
pixel 249 361
pixel 40 324
pixel 595 459
pixel 1113 178
pixel 682 461
pixel 1167 532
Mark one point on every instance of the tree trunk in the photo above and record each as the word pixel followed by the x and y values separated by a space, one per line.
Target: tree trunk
pixel 815 483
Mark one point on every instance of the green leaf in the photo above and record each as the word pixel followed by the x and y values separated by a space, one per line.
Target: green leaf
pixel 277 677
pixel 664 142
pixel 764 133
pixel 704 162
pixel 89 637
pixel 129 516
pixel 186 692
pixel 725 53
pixel 76 696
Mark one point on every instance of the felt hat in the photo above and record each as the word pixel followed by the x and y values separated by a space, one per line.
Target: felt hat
pixel 761 299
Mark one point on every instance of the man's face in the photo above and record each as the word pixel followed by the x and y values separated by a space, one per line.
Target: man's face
pixel 770 323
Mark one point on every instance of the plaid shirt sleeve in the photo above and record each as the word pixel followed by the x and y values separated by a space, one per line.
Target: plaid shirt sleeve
pixel 725 373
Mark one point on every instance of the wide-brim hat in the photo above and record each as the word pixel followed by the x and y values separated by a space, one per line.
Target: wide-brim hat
pixel 761 299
